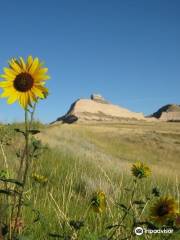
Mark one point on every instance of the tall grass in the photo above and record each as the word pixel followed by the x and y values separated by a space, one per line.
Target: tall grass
pixel 81 159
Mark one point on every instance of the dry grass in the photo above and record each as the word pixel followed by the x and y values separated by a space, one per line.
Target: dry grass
pixel 86 157
pixel 113 145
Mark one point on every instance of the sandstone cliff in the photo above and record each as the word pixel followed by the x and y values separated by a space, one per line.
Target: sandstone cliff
pixel 98 109
pixel 170 112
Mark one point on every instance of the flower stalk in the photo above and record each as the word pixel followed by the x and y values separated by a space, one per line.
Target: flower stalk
pixel 25 173
pixel 126 212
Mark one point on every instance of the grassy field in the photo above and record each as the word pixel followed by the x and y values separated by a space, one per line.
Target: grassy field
pixel 84 158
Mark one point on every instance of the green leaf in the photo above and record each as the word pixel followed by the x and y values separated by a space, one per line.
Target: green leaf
pixel 19 131
pixel 37 215
pixel 55 235
pixel 77 225
pixel 122 206
pixel 156 192
pixel 149 225
pixel 33 132
pixel 8 192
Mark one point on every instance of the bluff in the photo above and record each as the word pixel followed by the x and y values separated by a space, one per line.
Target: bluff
pixel 169 112
pixel 97 109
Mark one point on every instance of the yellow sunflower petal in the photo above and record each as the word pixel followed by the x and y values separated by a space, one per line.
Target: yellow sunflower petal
pixel 32 96
pixel 34 66
pixel 6 84
pixel 12 99
pixel 38 91
pixel 6 77
pixel 38 78
pixel 24 100
pixel 23 63
pixel 15 66
pixel 8 92
pixel 9 72
pixel 42 71
pixel 39 67
pixel 29 62
pixel 4 94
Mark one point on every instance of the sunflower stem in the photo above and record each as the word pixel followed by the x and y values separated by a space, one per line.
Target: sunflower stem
pixel 32 115
pixel 126 213
pixel 24 151
pixel 25 174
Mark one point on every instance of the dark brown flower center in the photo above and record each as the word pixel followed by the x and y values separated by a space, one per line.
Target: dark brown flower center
pixel 23 82
pixel 163 210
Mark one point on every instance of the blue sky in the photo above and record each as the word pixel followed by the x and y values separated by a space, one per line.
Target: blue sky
pixel 129 51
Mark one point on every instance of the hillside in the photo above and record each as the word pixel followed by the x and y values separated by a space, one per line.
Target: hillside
pixel 169 112
pixel 98 109
pixel 119 144
pixel 77 160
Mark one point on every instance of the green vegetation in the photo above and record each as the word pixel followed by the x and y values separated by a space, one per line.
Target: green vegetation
pixel 75 161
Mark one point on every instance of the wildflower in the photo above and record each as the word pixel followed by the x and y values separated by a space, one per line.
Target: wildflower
pixel 98 202
pixel 39 178
pixel 140 170
pixel 24 81
pixel 164 209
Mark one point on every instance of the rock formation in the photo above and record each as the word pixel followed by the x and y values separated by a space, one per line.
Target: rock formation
pixel 98 98
pixel 170 112
pixel 98 109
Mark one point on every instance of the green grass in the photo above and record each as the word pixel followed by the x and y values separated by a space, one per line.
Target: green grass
pixel 83 158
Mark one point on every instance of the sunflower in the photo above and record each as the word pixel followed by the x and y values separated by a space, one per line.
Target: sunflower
pixel 140 170
pixel 24 81
pixel 39 178
pixel 98 202
pixel 164 209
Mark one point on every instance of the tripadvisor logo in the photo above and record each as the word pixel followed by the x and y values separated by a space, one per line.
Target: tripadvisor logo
pixel 139 231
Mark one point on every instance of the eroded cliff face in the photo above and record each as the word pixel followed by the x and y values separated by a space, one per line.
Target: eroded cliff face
pixel 170 112
pixel 92 110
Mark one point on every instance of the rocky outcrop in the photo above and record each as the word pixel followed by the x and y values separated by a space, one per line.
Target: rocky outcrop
pixel 98 109
pixel 98 98
pixel 170 113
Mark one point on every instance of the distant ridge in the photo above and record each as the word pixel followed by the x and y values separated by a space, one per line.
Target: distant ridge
pixel 97 109
pixel 169 112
